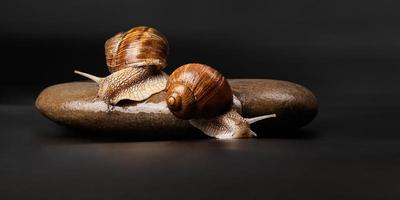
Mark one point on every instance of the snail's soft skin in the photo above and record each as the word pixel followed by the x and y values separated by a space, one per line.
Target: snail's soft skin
pixel 201 94
pixel 228 125
pixel 135 59
pixel 121 86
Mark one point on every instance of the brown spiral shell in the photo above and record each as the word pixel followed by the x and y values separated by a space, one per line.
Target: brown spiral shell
pixel 140 46
pixel 198 91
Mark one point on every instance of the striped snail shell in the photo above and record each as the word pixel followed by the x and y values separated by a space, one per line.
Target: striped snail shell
pixel 202 95
pixel 140 46
pixel 135 59
pixel 198 91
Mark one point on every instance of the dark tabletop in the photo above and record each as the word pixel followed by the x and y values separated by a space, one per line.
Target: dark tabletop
pixel 347 152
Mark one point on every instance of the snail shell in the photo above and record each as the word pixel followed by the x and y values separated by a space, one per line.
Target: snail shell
pixel 135 59
pixel 198 91
pixel 201 94
pixel 140 46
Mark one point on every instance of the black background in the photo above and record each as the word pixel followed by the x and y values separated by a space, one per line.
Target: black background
pixel 346 52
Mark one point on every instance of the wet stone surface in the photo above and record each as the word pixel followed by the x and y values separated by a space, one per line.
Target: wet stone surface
pixel 75 105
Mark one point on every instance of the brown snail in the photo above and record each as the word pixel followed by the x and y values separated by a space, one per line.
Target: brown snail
pixel 135 59
pixel 201 94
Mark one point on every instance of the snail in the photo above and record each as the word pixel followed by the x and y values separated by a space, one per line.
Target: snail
pixel 135 59
pixel 200 94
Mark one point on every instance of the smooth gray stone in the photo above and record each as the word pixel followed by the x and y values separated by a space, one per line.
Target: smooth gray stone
pixel 74 105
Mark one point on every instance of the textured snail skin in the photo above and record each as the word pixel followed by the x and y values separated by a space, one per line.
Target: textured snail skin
pixel 133 83
pixel 140 46
pixel 135 59
pixel 230 125
pixel 201 94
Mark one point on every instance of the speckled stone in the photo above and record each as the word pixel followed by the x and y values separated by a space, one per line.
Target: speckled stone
pixel 75 105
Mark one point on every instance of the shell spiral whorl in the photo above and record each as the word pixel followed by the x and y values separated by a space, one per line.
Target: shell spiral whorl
pixel 198 91
pixel 181 102
pixel 140 46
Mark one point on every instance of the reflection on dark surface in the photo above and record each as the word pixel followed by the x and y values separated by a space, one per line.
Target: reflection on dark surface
pixel 62 134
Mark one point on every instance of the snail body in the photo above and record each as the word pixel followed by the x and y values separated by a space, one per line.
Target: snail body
pixel 121 86
pixel 199 93
pixel 228 125
pixel 135 60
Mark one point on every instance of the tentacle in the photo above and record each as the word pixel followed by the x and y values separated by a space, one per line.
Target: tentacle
pixel 89 76
pixel 259 118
